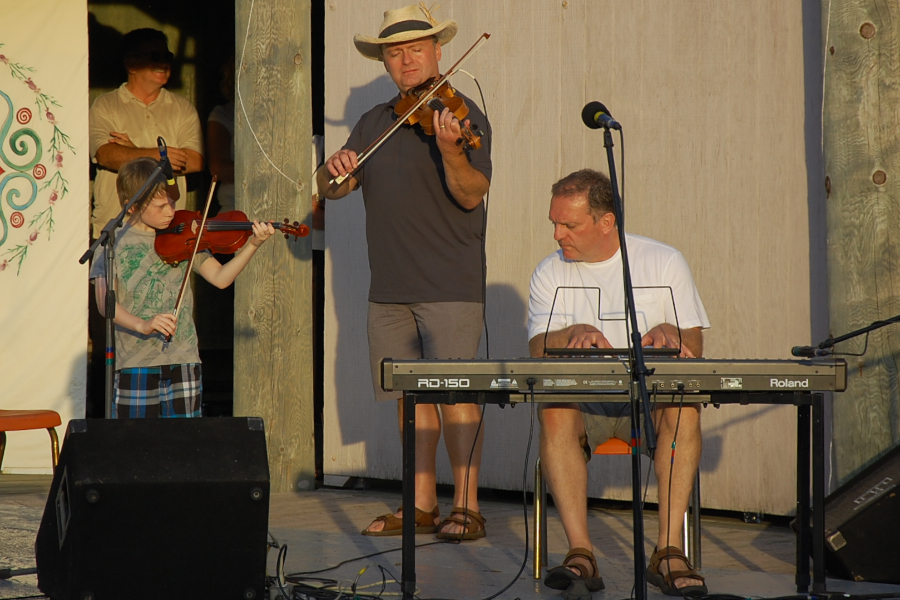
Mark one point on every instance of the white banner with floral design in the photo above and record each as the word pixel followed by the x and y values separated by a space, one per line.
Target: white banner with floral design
pixel 44 203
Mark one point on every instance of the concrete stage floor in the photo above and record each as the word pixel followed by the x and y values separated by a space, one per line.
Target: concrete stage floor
pixel 321 529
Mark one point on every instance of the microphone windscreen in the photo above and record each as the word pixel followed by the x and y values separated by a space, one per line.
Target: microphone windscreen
pixel 590 112
pixel 803 351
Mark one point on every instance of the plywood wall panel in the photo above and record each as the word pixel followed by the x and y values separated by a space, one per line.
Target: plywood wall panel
pixel 711 97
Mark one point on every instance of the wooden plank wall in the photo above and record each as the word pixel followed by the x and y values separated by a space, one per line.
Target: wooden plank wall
pixel 273 375
pixel 711 96
pixel 862 104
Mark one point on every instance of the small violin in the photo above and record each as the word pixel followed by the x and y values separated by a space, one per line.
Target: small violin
pixel 226 233
pixel 443 97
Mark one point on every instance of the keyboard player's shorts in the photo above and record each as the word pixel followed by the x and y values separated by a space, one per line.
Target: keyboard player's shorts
pixel 603 421
pixel 421 330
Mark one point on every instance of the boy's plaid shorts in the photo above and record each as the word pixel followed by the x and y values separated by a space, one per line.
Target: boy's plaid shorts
pixel 169 391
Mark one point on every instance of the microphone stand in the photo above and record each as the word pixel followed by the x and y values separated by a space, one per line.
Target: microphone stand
pixel 824 347
pixel 108 240
pixel 638 394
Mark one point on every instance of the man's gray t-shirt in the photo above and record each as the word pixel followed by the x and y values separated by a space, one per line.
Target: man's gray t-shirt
pixel 423 246
pixel 146 287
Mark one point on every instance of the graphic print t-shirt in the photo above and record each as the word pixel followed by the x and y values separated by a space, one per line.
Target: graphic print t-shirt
pixel 146 286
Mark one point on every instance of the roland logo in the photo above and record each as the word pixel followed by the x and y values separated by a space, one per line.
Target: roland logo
pixel 788 383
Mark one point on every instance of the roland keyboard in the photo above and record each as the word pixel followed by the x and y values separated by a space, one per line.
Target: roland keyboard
pixel 611 375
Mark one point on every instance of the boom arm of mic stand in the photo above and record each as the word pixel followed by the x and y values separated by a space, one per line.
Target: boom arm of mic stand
pixel 113 224
pixel 823 347
pixel 830 342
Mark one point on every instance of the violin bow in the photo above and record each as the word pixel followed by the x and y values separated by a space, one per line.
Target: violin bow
pixel 179 300
pixel 400 121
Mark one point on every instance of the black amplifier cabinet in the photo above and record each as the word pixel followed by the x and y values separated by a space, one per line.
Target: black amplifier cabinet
pixel 157 508
pixel 862 522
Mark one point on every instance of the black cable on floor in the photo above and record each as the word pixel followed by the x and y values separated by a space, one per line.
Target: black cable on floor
pixel 358 558
pixel 531 383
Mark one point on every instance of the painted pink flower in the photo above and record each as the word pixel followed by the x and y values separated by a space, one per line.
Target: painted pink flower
pixel 32 237
pixel 5 61
pixel 59 160
pixel 3 265
pixel 51 118
pixel 54 196
pixel 32 85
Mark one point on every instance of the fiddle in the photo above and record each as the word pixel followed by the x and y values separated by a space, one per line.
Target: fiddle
pixel 225 233
pixel 442 96
pixel 417 102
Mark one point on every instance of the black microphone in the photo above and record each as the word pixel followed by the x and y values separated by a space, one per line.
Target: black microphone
pixel 809 351
pixel 595 116
pixel 803 351
pixel 164 159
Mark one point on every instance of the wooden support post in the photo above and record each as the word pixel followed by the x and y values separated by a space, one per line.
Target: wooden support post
pixel 862 165
pixel 273 373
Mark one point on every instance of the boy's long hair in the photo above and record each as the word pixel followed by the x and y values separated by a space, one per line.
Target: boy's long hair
pixel 132 176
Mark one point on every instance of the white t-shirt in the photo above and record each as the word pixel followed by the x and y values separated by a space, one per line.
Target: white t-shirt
pixel 663 289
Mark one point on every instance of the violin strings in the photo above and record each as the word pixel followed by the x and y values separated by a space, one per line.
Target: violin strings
pixel 228 225
pixel 235 225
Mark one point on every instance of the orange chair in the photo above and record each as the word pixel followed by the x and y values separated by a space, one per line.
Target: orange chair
pixel 609 447
pixel 23 420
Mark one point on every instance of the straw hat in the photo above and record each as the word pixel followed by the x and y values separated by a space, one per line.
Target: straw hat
pixel 404 25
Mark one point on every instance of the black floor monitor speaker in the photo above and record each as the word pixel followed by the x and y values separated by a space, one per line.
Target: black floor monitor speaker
pixel 157 508
pixel 862 519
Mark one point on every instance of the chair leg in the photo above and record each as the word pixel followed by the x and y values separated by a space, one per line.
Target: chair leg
pixel 54 446
pixel 2 446
pixel 539 517
pixel 696 556
pixel 544 537
pixel 690 534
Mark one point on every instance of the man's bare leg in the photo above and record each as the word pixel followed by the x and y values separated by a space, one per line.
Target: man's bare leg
pixel 562 463
pixel 428 432
pixel 460 425
pixel 687 460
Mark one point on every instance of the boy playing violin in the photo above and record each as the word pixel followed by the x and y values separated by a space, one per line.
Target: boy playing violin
pixel 155 379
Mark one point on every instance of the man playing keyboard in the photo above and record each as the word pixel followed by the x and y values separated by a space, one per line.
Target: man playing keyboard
pixel 577 300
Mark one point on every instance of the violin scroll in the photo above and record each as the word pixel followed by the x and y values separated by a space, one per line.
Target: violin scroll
pixel 295 229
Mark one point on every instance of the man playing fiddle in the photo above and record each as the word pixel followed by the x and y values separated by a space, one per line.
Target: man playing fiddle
pixel 424 226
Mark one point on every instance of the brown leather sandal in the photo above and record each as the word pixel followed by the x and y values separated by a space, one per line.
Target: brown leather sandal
pixel 471 520
pixel 561 577
pixel 666 583
pixel 394 525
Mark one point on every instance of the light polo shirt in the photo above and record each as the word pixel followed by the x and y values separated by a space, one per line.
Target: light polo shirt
pixel 170 116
